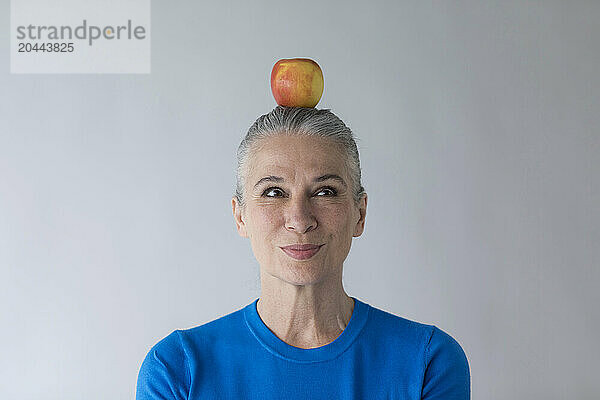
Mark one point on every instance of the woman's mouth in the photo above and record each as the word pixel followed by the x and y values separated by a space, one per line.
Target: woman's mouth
pixel 301 252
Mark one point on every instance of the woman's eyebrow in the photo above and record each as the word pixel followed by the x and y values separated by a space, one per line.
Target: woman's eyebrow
pixel 331 176
pixel 272 178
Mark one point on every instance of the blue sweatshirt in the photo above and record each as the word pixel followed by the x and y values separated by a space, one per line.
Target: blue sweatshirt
pixel 377 356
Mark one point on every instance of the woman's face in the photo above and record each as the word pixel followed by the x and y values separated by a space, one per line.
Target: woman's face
pixel 293 197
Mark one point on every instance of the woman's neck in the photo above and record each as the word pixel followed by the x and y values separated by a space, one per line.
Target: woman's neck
pixel 305 316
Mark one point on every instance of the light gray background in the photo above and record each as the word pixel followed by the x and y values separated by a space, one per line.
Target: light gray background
pixel 478 135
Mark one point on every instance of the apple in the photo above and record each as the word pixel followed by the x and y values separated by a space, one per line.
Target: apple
pixel 297 82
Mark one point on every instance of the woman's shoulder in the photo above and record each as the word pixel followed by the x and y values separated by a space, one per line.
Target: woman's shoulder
pixel 395 326
pixel 216 327
pixel 178 339
pixel 428 337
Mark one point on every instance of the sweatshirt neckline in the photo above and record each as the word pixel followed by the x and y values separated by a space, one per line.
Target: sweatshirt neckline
pixel 281 349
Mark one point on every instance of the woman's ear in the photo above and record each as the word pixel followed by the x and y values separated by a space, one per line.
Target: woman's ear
pixel 362 208
pixel 238 217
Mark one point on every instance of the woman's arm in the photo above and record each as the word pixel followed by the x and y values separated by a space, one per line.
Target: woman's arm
pixel 164 372
pixel 447 373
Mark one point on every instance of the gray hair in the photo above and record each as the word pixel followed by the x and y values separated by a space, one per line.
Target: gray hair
pixel 299 121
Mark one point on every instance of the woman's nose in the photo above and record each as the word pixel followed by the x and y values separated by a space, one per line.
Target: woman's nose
pixel 299 216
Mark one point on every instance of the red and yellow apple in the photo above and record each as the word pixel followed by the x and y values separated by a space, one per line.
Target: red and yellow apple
pixel 297 82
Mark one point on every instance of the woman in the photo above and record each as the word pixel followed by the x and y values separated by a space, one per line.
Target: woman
pixel 300 201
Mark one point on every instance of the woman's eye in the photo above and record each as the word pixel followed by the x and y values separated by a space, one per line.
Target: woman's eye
pixel 327 189
pixel 330 191
pixel 269 190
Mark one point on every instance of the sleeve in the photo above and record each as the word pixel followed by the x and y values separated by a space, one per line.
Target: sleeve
pixel 447 373
pixel 164 372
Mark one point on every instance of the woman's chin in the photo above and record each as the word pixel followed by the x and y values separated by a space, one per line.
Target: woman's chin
pixel 303 273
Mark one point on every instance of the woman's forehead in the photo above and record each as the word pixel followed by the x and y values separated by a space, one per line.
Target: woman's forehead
pixel 290 170
pixel 284 165
pixel 286 156
pixel 286 140
pixel 287 150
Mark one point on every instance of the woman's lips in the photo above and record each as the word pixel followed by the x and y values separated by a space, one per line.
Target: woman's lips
pixel 301 254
